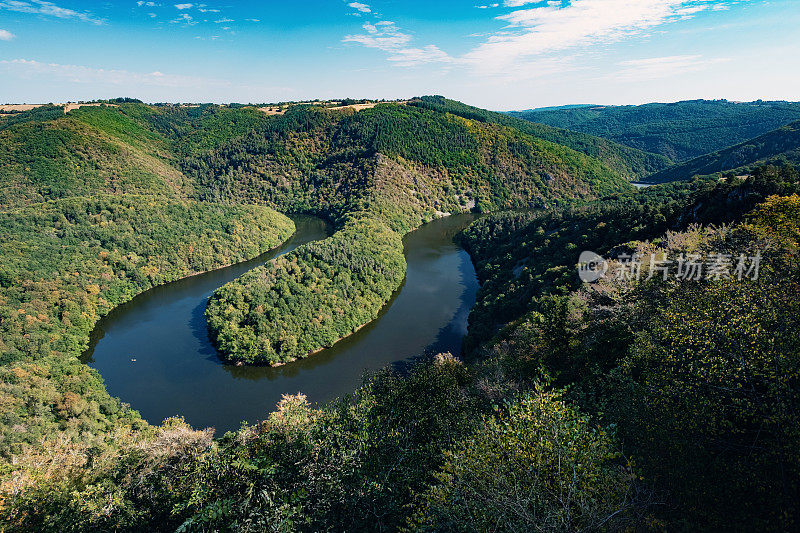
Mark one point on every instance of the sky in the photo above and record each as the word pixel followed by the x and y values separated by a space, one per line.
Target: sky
pixel 504 55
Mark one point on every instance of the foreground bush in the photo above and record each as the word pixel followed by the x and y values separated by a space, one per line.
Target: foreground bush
pixel 542 466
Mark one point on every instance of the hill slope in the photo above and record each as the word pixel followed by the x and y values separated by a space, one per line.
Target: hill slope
pixel 680 130
pixel 105 202
pixel 629 162
pixel 779 146
pixel 378 174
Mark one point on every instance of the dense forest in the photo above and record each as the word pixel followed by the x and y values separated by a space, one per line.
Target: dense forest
pixel 68 262
pixel 629 403
pixel 377 174
pixel 777 147
pixel 626 160
pixel 698 378
pixel 679 130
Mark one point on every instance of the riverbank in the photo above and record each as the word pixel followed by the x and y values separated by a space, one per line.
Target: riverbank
pixel 178 372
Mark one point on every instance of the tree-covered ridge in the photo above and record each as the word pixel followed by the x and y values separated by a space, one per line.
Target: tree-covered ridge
pixel 68 262
pixel 626 161
pixel 777 147
pixel 312 159
pixel 378 173
pixel 680 130
pixel 197 129
pixel 523 257
pixel 698 377
pixel 99 149
pixel 310 298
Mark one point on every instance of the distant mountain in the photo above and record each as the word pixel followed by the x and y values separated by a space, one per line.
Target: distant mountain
pixel 679 131
pixel 557 107
pixel 629 162
pixel 775 147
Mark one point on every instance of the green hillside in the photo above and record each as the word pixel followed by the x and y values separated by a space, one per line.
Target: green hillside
pixel 690 374
pixel 74 247
pixel 779 146
pixel 377 173
pixel 680 130
pixel 627 161
pixel 608 392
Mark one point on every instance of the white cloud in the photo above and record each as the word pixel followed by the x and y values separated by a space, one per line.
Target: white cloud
pixel 410 57
pixel 41 7
pixel 554 27
pixel 28 68
pixel 185 19
pixel 6 35
pixel 384 35
pixel 538 36
pixel 184 6
pixel 140 3
pixel 358 6
pixel 662 67
pixel 387 38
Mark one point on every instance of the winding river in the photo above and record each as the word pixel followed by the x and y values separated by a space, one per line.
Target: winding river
pixel 154 352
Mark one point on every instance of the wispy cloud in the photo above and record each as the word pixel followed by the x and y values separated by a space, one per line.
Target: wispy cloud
pixel 662 67
pixel 6 35
pixel 184 18
pixel 29 68
pixel 541 37
pixel 557 26
pixel 40 7
pixel 385 35
pixel 189 14
pixel 358 6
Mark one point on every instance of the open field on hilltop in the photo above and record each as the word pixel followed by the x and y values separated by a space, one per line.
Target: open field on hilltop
pixel 70 106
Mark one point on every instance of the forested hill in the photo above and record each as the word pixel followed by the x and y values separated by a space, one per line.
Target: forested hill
pixel 779 146
pixel 103 202
pixel 624 159
pixel 631 404
pixel 46 154
pixel 132 147
pixel 680 130
pixel 377 173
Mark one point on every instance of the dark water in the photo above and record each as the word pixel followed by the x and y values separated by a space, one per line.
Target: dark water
pixel 177 372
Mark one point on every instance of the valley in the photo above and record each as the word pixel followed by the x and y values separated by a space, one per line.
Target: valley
pixel 363 315
pixel 154 352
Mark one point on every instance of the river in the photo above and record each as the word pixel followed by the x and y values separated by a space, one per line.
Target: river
pixel 155 354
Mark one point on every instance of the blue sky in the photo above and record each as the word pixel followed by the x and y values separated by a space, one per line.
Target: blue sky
pixel 509 54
